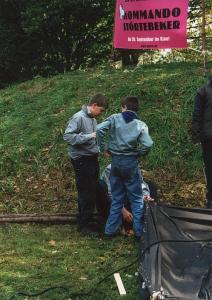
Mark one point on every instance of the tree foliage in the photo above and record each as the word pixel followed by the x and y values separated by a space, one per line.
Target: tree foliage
pixel 195 24
pixel 47 37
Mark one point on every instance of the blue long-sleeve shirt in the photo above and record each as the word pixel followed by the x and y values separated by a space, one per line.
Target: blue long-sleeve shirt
pixel 123 138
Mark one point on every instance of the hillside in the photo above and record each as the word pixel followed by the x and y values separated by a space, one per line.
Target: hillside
pixel 35 174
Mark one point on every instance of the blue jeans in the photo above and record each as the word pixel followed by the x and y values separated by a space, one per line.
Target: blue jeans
pixel 125 182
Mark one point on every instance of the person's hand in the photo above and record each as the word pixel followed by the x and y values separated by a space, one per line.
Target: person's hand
pixel 148 198
pixel 93 135
pixel 107 154
pixel 128 217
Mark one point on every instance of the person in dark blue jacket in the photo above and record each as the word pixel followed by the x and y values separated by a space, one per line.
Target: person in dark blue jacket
pixel 202 131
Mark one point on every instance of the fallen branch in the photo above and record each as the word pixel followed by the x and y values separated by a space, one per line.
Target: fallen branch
pixel 35 218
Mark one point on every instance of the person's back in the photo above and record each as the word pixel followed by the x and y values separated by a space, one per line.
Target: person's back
pixel 202 131
pixel 126 134
pixel 202 114
pixel 128 139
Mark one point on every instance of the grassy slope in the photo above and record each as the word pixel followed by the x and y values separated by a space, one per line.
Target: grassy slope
pixel 36 176
pixel 33 162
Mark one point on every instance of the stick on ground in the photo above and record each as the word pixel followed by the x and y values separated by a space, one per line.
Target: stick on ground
pixel 119 283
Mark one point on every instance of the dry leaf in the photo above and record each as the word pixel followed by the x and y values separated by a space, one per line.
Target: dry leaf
pixel 102 258
pixel 71 269
pixel 52 243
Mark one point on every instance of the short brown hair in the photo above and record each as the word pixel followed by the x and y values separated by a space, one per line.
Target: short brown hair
pixel 131 103
pixel 100 100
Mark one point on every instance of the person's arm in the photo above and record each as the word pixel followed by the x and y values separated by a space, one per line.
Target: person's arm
pixel 197 117
pixel 73 136
pixel 145 140
pixel 101 134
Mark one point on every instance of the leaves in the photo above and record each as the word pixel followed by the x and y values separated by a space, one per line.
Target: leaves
pixel 52 243
pixel 47 37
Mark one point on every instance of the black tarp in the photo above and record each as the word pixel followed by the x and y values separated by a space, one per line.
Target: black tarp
pixel 176 253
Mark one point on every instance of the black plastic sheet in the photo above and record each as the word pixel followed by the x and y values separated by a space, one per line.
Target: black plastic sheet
pixel 176 253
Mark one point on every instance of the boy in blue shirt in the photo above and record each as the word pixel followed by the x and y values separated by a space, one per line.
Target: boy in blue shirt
pixel 126 138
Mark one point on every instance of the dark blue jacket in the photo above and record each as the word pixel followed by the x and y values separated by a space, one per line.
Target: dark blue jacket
pixel 202 114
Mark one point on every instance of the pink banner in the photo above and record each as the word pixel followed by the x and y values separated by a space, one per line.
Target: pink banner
pixel 150 24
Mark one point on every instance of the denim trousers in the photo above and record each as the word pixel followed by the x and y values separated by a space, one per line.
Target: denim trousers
pixel 125 183
pixel 86 171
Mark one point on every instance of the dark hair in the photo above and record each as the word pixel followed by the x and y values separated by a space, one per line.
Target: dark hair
pixel 131 103
pixel 100 100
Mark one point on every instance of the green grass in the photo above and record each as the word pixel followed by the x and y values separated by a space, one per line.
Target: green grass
pixel 36 176
pixel 34 258
pixel 34 167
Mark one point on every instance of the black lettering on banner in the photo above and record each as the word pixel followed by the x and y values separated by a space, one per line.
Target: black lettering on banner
pixel 158 13
pixel 162 25
pixel 151 26
pixel 136 27
pixel 130 15
pixel 156 26
pixel 176 12
pixel 145 26
pixel 126 27
pixel 176 24
pixel 135 14
pixel 131 26
pixel 143 14
pixel 169 25
pixel 152 15
pixel 166 13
